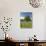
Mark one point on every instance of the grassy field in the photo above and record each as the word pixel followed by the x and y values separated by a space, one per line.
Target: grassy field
pixel 26 24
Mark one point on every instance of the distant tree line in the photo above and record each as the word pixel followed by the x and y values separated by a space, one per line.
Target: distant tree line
pixel 27 18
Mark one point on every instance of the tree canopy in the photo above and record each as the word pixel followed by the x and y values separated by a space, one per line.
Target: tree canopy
pixel 27 18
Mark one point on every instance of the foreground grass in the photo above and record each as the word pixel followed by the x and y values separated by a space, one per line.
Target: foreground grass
pixel 26 25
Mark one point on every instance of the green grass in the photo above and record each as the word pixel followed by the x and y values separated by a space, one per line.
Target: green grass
pixel 26 25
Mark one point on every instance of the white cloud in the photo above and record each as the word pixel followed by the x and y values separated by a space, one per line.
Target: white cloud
pixel 21 17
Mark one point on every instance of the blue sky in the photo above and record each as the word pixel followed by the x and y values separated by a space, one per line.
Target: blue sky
pixel 26 14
